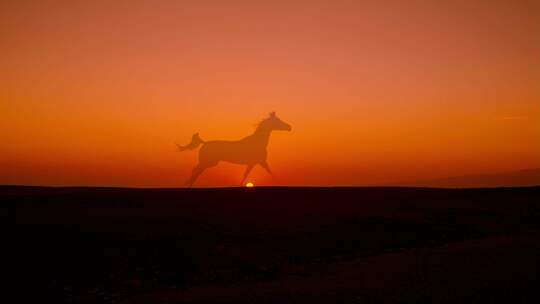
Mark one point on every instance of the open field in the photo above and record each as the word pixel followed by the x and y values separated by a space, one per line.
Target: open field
pixel 271 245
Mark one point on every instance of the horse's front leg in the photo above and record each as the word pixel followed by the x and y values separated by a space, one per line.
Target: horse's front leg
pixel 248 169
pixel 264 164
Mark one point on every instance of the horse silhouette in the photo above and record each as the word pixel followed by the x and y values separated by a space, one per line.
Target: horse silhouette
pixel 249 151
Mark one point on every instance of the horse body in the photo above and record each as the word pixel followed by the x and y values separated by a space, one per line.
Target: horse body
pixel 249 151
pixel 242 152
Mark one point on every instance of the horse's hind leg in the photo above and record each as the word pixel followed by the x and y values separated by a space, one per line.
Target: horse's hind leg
pixel 196 172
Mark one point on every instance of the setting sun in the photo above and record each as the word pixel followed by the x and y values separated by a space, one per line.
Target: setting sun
pixel 249 185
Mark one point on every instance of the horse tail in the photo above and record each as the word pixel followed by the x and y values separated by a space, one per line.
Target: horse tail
pixel 195 142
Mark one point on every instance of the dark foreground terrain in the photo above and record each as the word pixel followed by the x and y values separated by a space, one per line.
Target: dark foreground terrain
pixel 271 245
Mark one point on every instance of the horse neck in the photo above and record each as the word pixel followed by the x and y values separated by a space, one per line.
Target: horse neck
pixel 262 135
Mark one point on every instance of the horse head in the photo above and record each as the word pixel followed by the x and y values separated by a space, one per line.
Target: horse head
pixel 272 122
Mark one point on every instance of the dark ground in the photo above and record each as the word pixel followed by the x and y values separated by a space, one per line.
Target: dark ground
pixel 271 245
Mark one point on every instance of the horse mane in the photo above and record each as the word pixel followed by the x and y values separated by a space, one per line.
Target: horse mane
pixel 258 125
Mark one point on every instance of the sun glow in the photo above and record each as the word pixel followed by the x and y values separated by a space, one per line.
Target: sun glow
pixel 249 185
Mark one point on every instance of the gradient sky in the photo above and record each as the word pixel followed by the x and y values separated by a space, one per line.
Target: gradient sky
pixel 98 92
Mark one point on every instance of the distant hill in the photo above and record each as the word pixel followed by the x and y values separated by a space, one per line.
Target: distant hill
pixel 521 178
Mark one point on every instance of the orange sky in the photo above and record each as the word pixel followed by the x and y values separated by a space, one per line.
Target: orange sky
pixel 98 92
